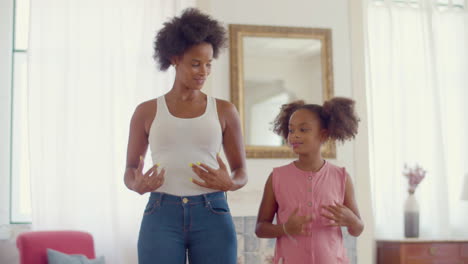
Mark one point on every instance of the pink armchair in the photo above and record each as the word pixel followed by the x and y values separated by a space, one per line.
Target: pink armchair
pixel 33 245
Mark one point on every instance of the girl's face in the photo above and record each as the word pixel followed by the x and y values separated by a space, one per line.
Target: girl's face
pixel 305 132
pixel 194 66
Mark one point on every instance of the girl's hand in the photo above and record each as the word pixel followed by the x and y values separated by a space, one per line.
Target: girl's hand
pixel 214 179
pixel 296 223
pixel 340 215
pixel 149 181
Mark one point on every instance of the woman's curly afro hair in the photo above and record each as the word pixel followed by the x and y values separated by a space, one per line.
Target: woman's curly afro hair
pixel 180 33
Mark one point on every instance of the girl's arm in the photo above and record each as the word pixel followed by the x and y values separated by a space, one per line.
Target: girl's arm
pixel 266 213
pixel 356 226
pixel 268 208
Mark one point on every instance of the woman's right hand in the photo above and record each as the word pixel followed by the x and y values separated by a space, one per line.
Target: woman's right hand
pixel 148 182
pixel 296 223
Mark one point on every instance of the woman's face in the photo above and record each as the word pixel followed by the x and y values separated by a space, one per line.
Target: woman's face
pixel 305 132
pixel 194 66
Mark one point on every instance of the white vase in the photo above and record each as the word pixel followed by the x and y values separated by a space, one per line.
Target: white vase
pixel 411 216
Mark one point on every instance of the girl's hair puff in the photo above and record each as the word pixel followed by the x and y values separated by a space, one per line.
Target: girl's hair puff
pixel 337 116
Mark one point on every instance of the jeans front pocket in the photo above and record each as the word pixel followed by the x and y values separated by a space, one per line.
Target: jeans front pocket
pixel 151 207
pixel 219 207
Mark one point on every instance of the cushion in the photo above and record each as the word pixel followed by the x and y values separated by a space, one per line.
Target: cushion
pixel 56 257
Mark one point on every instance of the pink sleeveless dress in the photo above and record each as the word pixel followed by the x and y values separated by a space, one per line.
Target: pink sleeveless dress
pixel 308 191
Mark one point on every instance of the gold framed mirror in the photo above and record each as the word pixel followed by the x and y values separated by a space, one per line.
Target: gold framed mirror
pixel 271 66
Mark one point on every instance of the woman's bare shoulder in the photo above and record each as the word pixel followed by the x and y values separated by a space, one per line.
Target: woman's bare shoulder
pixel 225 106
pixel 146 108
pixel 145 112
pixel 227 113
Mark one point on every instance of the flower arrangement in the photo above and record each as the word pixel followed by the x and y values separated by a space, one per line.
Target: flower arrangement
pixel 415 176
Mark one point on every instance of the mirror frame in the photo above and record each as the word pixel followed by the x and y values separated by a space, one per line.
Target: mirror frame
pixel 236 33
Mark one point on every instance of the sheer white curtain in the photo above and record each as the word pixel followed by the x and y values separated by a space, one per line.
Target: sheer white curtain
pixel 418 76
pixel 90 65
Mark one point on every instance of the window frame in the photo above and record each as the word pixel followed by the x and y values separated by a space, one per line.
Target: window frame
pixel 15 191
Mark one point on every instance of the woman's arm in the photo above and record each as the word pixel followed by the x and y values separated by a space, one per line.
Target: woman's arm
pixel 233 144
pixel 134 178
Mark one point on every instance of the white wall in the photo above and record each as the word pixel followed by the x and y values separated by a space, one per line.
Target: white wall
pixel 339 16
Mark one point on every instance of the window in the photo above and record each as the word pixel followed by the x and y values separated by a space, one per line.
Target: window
pixel 417 74
pixel 20 180
pixel 442 4
pixel 450 4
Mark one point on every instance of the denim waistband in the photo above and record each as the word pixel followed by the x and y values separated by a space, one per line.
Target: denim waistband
pixel 194 199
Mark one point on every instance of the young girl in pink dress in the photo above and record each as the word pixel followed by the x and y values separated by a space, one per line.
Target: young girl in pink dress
pixel 311 197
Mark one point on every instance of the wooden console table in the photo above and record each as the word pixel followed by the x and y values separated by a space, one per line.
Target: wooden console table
pixel 422 251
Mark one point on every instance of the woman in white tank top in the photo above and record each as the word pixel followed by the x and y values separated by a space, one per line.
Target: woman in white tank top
pixel 187 214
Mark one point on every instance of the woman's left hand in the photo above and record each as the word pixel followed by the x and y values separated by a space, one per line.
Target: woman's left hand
pixel 340 215
pixel 218 179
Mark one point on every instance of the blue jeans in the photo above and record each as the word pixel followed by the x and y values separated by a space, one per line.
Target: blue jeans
pixel 200 227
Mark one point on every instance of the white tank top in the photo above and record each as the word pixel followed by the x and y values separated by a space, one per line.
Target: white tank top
pixel 177 142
